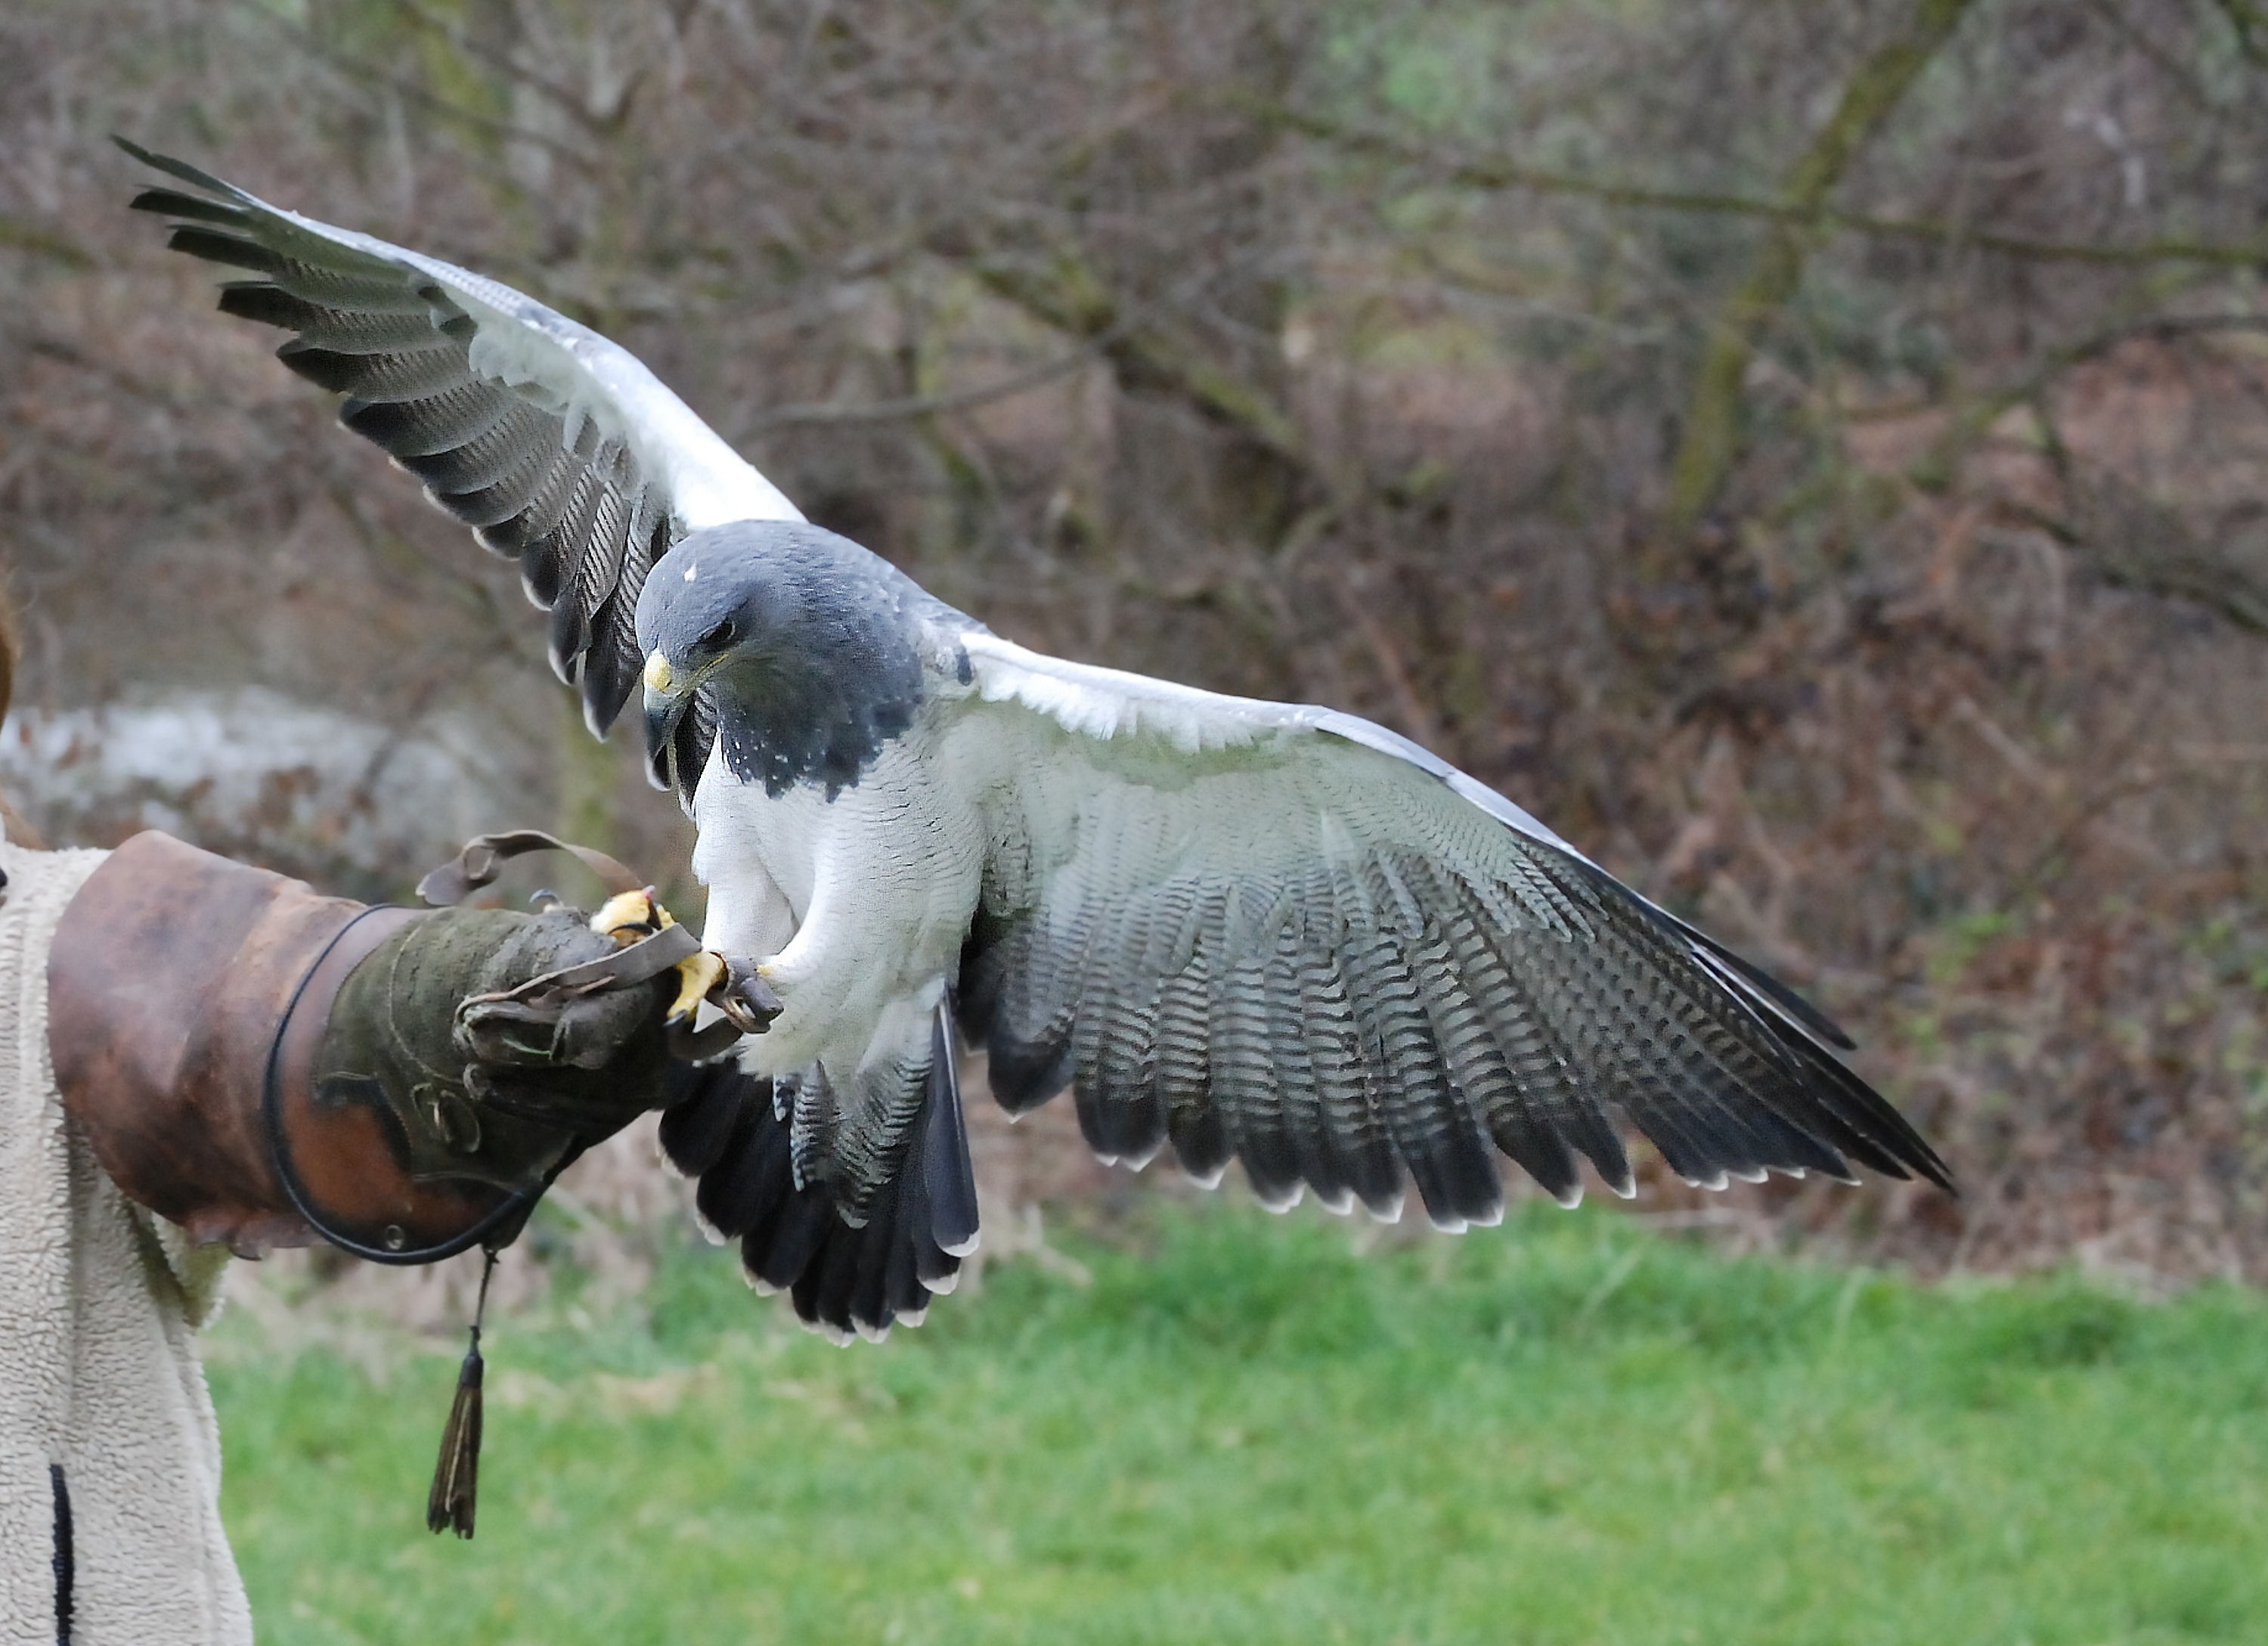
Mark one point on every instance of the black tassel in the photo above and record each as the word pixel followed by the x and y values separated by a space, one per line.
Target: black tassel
pixel 457 1474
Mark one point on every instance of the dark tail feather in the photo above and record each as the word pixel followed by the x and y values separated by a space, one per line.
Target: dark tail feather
pixel 725 1131
pixel 704 1101
pixel 948 1175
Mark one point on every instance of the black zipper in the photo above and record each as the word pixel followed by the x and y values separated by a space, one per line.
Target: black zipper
pixel 65 1564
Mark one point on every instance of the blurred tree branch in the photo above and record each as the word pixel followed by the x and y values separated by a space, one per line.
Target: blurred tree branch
pixel 1474 171
pixel 2176 72
pixel 2131 540
pixel 606 116
pixel 22 236
pixel 830 413
pixel 362 73
pixel 1068 296
pixel 1935 469
pixel 1713 432
pixel 2246 21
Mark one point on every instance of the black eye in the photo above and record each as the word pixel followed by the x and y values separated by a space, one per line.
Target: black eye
pixel 720 637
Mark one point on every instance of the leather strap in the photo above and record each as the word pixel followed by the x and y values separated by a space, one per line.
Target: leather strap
pixel 485 856
pixel 649 957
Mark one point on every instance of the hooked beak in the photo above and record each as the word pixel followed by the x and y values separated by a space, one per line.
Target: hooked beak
pixel 667 696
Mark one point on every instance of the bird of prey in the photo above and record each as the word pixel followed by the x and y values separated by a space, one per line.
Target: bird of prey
pixel 1244 930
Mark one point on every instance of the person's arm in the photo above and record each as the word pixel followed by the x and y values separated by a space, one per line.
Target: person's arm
pixel 262 1065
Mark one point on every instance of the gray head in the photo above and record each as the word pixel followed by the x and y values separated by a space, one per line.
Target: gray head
pixel 807 648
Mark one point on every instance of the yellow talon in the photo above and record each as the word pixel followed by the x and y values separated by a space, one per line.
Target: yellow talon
pixel 628 916
pixel 621 912
pixel 699 973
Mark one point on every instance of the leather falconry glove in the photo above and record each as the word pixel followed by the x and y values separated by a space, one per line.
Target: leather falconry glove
pixel 263 1065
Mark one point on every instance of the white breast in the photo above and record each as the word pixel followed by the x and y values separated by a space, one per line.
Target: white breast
pixel 859 904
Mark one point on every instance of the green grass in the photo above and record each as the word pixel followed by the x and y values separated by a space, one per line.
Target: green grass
pixel 1565 1430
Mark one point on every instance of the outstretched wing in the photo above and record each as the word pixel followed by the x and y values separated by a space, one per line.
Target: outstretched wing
pixel 1289 936
pixel 560 449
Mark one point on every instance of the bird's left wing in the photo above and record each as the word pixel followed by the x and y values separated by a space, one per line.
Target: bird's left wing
pixel 1287 935
pixel 559 449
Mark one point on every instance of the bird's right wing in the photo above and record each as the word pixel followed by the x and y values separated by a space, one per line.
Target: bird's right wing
pixel 558 447
pixel 1285 934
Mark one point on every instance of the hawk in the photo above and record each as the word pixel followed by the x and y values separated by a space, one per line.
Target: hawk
pixel 1249 931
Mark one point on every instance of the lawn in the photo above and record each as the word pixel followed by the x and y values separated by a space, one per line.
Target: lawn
pixel 1237 1430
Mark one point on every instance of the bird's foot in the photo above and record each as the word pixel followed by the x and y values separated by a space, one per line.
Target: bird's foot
pixel 697 976
pixel 746 1002
pixel 746 999
pixel 628 916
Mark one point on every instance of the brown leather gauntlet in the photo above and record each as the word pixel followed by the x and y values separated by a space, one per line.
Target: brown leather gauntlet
pixel 193 1025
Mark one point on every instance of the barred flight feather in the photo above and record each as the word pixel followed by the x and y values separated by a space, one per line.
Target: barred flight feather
pixel 1029 1046
pixel 1513 970
pixel 534 537
pixel 1477 1065
pixel 174 203
pixel 421 428
pixel 1185 906
pixel 1346 1095
pixel 594 574
pixel 508 443
pixel 1116 1017
pixel 1181 1062
pixel 1244 1083
pixel 544 560
pixel 377 376
pixel 810 1119
pixel 1431 1128
pixel 1765 1080
pixel 1314 1156
pixel 1768 1069
pixel 1579 998
pixel 504 410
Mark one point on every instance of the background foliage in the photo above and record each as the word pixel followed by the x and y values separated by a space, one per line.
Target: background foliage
pixel 1811 455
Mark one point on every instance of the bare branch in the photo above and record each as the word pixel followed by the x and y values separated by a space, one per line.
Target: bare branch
pixel 823 414
pixel 1069 297
pixel 21 236
pixel 1472 172
pixel 1935 469
pixel 1714 434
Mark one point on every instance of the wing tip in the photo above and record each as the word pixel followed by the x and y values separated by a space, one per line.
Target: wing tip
pixel 180 169
pixel 1280 1202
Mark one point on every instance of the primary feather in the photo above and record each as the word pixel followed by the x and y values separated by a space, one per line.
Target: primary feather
pixel 560 449
pixel 1247 931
